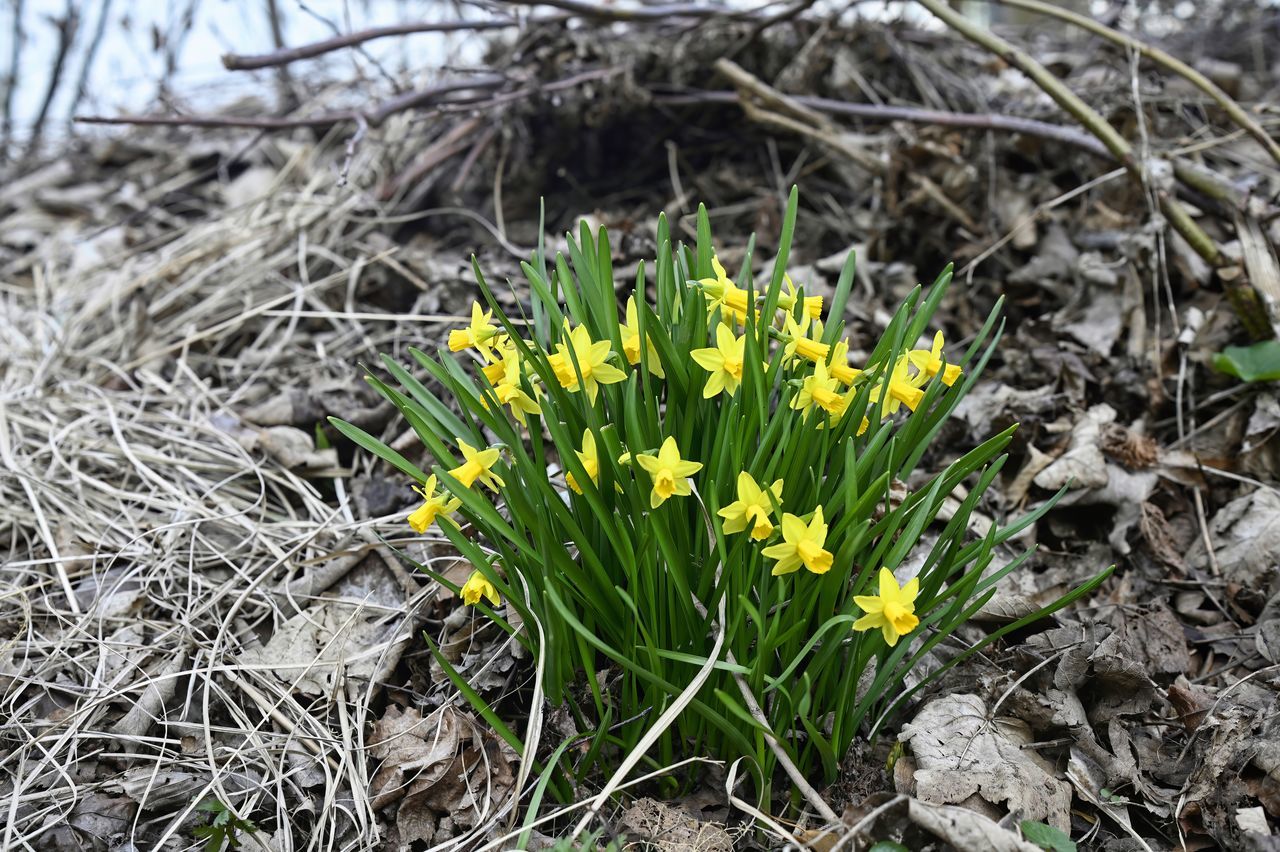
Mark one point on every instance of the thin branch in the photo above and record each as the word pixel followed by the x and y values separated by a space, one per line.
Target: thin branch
pixel 916 115
pixel 19 36
pixel 95 42
pixel 67 26
pixel 288 100
pixel 647 13
pixel 1174 212
pixel 242 62
pixel 1171 63
pixel 373 117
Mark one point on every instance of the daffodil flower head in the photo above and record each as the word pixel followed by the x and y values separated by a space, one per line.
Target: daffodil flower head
pixel 893 611
pixel 799 342
pixel 752 508
pixel 820 390
pixel 631 342
pixel 478 586
pixel 929 362
pixel 714 288
pixel 477 464
pixel 669 472
pixel 591 357
pixel 787 300
pixel 839 364
pixel 504 374
pixel 724 361
pixel 590 461
pixel 722 293
pixel 480 334
pixel 901 389
pixel 432 507
pixel 802 545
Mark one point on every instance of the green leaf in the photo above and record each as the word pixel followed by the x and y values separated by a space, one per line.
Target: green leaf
pixel 1047 837
pixel 379 449
pixel 1257 363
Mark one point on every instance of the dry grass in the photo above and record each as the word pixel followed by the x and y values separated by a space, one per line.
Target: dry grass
pixel 154 538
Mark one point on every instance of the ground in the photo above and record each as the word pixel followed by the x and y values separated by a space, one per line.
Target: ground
pixel 199 604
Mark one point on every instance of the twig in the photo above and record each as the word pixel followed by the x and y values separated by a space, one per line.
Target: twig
pixel 66 26
pixel 1233 110
pixel 1174 212
pixel 249 62
pixel 374 117
pixel 19 36
pixel 917 115
pixel 284 81
pixel 362 127
pixel 82 81
pixel 647 13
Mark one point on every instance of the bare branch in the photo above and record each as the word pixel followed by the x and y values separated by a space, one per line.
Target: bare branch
pixel 1174 212
pixel 91 53
pixel 1171 63
pixel 373 117
pixel 67 26
pixel 241 62
pixel 647 13
pixel 19 36
pixel 915 115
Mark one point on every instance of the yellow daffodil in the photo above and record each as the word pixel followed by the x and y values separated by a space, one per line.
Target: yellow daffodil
pixel 504 375
pixel 839 365
pixel 589 459
pixel 715 288
pixel 481 334
pixel 722 293
pixel 591 357
pixel 752 508
pixel 901 390
pixel 477 464
pixel 631 342
pixel 736 306
pixel 433 506
pixel 799 342
pixel 669 472
pixel 892 611
pixel 724 360
pixel 801 545
pixel 787 300
pixel 820 390
pixel 476 587
pixel 929 362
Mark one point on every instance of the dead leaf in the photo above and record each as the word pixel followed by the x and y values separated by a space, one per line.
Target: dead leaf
pixel 1246 542
pixel 308 650
pixel 671 829
pixel 446 772
pixel 964 829
pixel 1133 450
pixel 1098 325
pixel 963 755
pixel 1082 465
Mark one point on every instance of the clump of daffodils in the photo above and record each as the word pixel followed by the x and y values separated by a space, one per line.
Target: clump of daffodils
pixel 631 468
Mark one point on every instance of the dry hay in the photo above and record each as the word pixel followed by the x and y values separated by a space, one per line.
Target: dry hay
pixel 156 537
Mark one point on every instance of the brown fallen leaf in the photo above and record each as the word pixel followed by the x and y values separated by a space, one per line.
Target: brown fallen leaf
pixel 446 773
pixel 961 755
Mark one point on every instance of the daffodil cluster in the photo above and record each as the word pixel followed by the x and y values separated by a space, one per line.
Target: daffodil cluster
pixel 638 470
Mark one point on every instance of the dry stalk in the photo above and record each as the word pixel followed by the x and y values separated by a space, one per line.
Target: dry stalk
pixel 1173 210
pixel 1167 61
